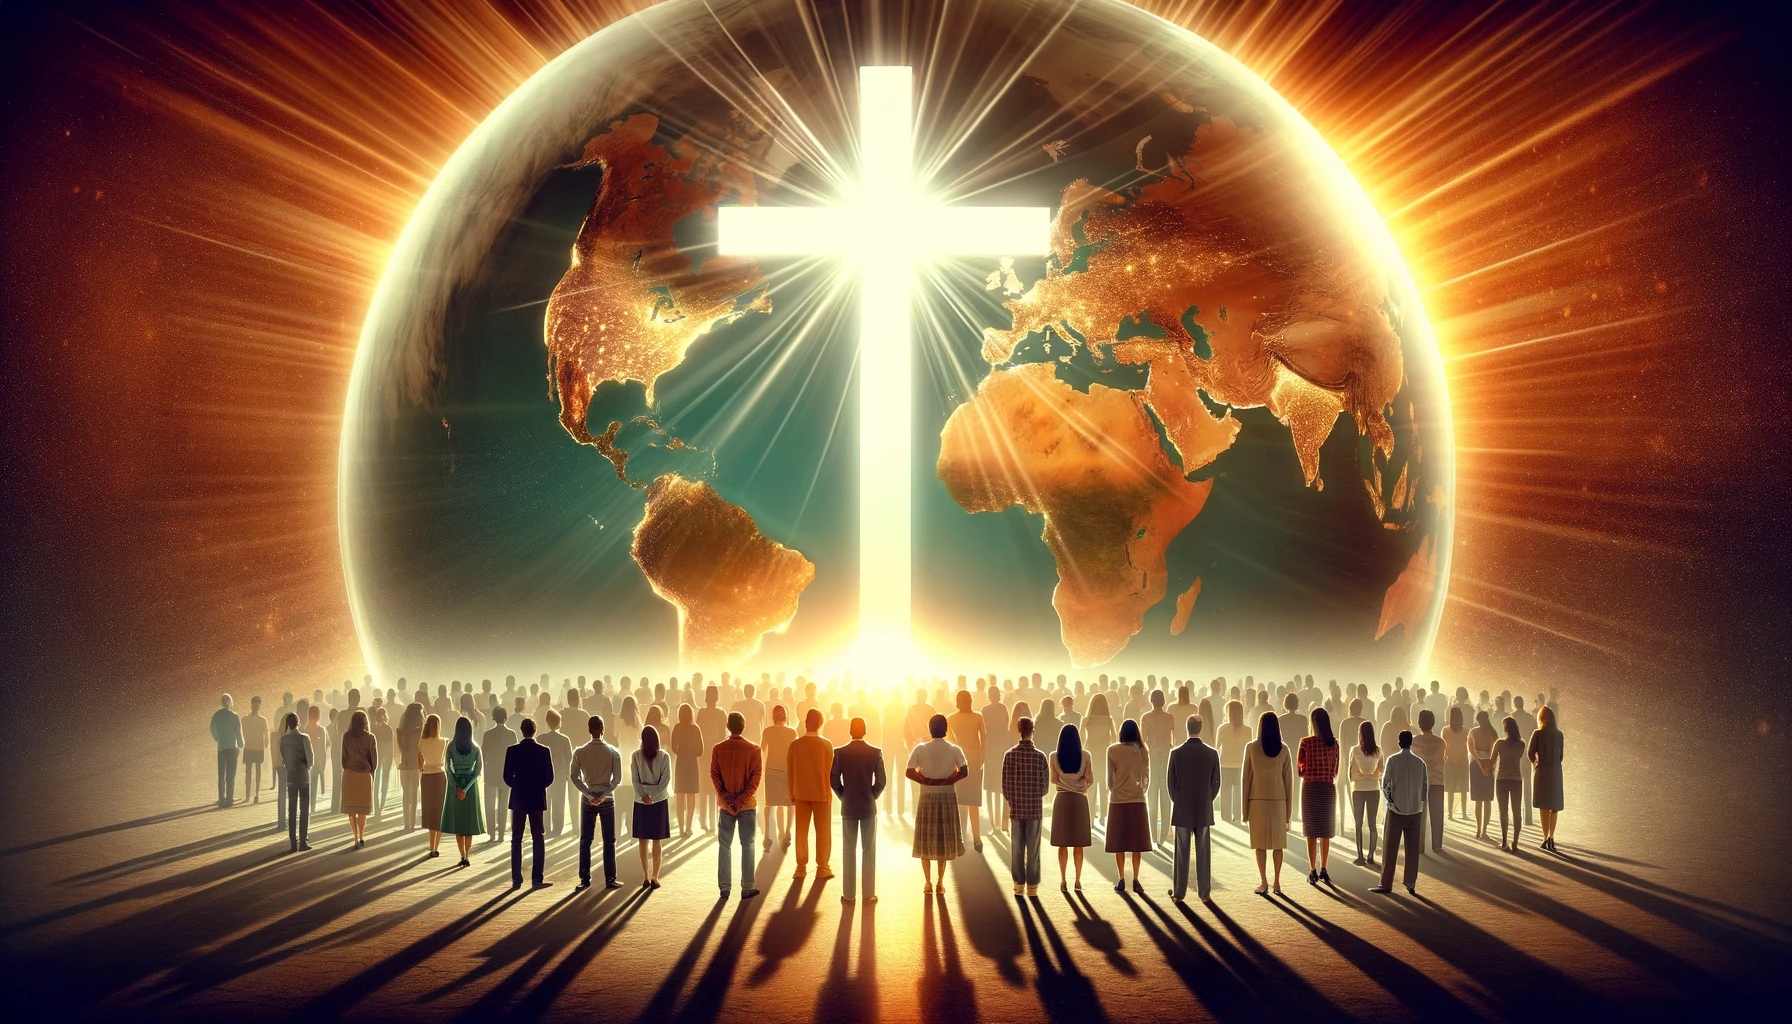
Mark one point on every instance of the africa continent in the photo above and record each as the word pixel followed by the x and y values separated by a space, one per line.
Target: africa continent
pixel 628 309
pixel 1231 297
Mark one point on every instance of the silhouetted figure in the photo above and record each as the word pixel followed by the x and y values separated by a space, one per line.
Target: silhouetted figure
pixel 360 759
pixel 1430 747
pixel 914 731
pixel 596 772
pixel 893 720
pixel 809 761
pixel 1406 783
pixel 858 779
pixel 1545 753
pixel 255 749
pixel 1192 778
pixel 736 767
pixel 528 772
pixel 296 762
pixel 1317 763
pixel 935 767
pixel 432 752
pixel 686 745
pixel 461 807
pixel 560 752
pixel 713 722
pixel 1268 785
pixel 1456 761
pixel 410 766
pixel 1480 774
pixel 1026 776
pixel 1157 728
pixel 1233 740
pixel 227 732
pixel 1128 824
pixel 1294 728
pixel 1527 724
pixel 1365 788
pixel 650 769
pixel 386 739
pixel 775 754
pixel 996 742
pixel 493 748
pixel 966 729
pixel 1508 764
pixel 320 747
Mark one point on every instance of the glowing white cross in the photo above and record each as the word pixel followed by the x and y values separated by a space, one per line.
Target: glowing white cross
pixel 887 229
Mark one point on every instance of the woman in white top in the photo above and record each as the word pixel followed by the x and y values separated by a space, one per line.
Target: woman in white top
pixel 1365 787
pixel 936 765
pixel 651 770
pixel 1098 734
pixel 1070 808
pixel 432 752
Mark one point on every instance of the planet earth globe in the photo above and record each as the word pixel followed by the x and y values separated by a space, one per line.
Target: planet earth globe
pixel 1206 433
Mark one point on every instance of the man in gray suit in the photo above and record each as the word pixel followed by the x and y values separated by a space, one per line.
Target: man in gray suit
pixel 227 730
pixel 1193 780
pixel 494 746
pixel 296 762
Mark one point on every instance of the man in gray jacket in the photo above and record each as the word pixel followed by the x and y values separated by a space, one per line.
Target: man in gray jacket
pixel 296 761
pixel 227 730
pixel 492 749
pixel 1193 780
pixel 596 772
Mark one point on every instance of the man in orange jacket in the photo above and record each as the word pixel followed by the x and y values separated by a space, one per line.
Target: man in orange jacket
pixel 735 769
pixel 811 761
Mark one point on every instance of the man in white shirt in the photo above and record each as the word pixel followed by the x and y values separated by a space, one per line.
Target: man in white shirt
pixel 1405 785
pixel 596 772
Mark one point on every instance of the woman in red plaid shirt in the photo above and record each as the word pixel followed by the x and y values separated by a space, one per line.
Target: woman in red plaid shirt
pixel 1317 764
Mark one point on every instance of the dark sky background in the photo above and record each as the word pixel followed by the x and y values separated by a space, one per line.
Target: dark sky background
pixel 195 201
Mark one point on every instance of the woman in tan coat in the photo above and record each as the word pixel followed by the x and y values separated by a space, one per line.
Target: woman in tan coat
pixel 1268 785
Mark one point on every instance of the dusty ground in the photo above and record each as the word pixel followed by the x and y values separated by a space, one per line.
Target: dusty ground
pixel 125 893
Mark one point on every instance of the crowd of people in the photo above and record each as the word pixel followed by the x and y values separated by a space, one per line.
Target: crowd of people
pixel 1122 758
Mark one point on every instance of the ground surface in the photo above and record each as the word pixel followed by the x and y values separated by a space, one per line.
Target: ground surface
pixel 126 893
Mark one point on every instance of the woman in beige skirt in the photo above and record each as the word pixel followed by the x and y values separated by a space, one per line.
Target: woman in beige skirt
pixel 432 752
pixel 1072 773
pixel 360 759
pixel 1268 787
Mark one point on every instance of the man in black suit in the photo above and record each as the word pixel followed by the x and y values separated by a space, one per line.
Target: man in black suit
pixel 858 779
pixel 528 771
pixel 1193 782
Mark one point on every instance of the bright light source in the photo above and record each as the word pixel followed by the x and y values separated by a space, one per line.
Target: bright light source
pixel 886 231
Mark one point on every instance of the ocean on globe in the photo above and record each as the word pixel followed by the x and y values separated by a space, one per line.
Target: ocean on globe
pixel 1207 434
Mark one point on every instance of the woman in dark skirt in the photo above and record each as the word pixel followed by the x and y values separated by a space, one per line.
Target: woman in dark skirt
pixel 1129 779
pixel 1545 754
pixel 1072 774
pixel 651 770
pixel 1318 766
pixel 432 752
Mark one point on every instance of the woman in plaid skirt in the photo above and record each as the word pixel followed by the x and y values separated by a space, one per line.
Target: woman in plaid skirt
pixel 936 766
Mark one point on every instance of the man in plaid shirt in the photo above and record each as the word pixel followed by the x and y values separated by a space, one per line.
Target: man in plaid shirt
pixel 1024 780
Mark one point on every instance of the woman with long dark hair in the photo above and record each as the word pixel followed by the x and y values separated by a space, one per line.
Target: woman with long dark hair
pixel 1508 776
pixel 1129 779
pixel 1317 763
pixel 1268 789
pixel 651 770
pixel 461 816
pixel 1072 774
pixel 1365 789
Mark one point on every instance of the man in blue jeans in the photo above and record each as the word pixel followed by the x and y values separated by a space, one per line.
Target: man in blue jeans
pixel 735 767
pixel 227 731
pixel 1025 777
pixel 858 779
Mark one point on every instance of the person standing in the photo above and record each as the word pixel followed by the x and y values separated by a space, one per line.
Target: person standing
pixel 1430 747
pixel 1025 778
pixel 1158 730
pixel 1507 768
pixel 1072 772
pixel 1527 724
pixel 560 753
pixel 1317 762
pixel 1365 788
pixel 1294 728
pixel 1545 754
pixel 687 764
pixel 1128 825
pixel 735 767
pixel 528 772
pixel 996 742
pixel 858 779
pixel 596 772
pixel 1406 783
pixel 1234 739
pixel 1192 778
pixel 492 750
pixel 409 731
pixel 227 732
pixel 1456 762
pixel 360 759
pixel 650 771
pixel 809 762
pixel 296 761
pixel 1267 784
pixel 386 741
pixel 460 808
pixel 432 753
pixel 1481 740
pixel 775 752
pixel 935 767
pixel 255 750
pixel 712 722
pixel 1098 736
pixel 965 728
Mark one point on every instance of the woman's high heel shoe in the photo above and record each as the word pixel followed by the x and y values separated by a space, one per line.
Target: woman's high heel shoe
pixel 1325 876
pixel 1313 878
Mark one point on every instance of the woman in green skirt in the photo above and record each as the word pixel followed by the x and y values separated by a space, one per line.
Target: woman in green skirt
pixel 460 805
